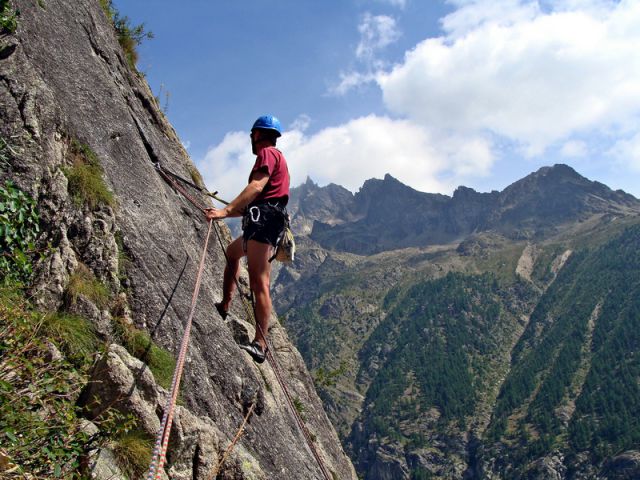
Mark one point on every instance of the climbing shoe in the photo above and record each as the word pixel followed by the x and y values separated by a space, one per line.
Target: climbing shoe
pixel 256 352
pixel 223 313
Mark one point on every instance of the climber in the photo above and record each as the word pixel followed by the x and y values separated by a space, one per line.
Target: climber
pixel 262 205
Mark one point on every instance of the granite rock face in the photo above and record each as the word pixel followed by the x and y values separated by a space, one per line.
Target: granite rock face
pixel 64 79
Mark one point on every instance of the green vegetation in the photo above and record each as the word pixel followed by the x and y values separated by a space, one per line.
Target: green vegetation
pixel 86 185
pixel 431 348
pixel 74 336
pixel 83 283
pixel 8 17
pixel 328 378
pixel 133 452
pixel 587 321
pixel 40 425
pixel 19 228
pixel 139 344
pixel 129 36
pixel 299 406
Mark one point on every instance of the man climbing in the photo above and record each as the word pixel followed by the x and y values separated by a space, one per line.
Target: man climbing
pixel 262 205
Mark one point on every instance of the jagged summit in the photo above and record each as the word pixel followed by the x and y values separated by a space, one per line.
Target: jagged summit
pixel 386 214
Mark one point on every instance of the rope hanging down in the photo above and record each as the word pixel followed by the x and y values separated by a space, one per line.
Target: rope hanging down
pixel 163 437
pixel 160 450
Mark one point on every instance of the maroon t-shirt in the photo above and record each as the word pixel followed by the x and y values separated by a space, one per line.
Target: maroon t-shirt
pixel 271 161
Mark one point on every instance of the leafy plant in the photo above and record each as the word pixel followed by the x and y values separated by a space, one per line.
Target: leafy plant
pixel 86 185
pixel 19 228
pixel 39 426
pixel 8 17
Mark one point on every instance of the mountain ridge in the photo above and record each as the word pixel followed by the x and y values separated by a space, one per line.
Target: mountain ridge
pixel 406 217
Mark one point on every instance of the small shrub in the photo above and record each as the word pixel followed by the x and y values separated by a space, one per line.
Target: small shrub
pixel 86 185
pixel 129 36
pixel 299 406
pixel 160 361
pixel 83 282
pixel 19 227
pixel 133 452
pixel 8 17
pixel 196 177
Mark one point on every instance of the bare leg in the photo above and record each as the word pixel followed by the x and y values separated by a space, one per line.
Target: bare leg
pixel 231 269
pixel 258 255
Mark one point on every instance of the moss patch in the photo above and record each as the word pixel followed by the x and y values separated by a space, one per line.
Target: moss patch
pixel 160 361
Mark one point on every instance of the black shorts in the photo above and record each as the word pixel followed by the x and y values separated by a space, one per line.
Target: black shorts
pixel 264 222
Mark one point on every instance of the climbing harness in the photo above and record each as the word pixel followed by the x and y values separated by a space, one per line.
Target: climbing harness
pixel 159 454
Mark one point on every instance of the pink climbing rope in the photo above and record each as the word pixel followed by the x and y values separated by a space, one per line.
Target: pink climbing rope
pixel 160 450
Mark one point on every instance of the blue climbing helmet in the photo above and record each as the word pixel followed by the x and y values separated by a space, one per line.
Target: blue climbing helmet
pixel 268 122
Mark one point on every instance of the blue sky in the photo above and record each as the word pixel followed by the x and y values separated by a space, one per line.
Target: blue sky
pixel 436 93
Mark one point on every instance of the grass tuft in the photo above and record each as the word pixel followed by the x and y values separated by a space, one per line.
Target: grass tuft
pixel 40 430
pixel 133 452
pixel 196 176
pixel 86 185
pixel 74 335
pixel 83 282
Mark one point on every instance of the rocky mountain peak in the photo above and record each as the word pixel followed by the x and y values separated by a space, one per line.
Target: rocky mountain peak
pixel 391 215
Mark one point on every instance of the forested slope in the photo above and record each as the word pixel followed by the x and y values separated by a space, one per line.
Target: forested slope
pixel 490 357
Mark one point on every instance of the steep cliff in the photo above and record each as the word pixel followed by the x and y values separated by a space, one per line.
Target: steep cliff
pixel 67 91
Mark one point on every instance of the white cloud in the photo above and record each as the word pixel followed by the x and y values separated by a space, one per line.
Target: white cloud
pixel 532 76
pixel 395 3
pixel 574 148
pixel 376 33
pixel 352 80
pixel 301 123
pixel 226 166
pixel 627 152
pixel 349 154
